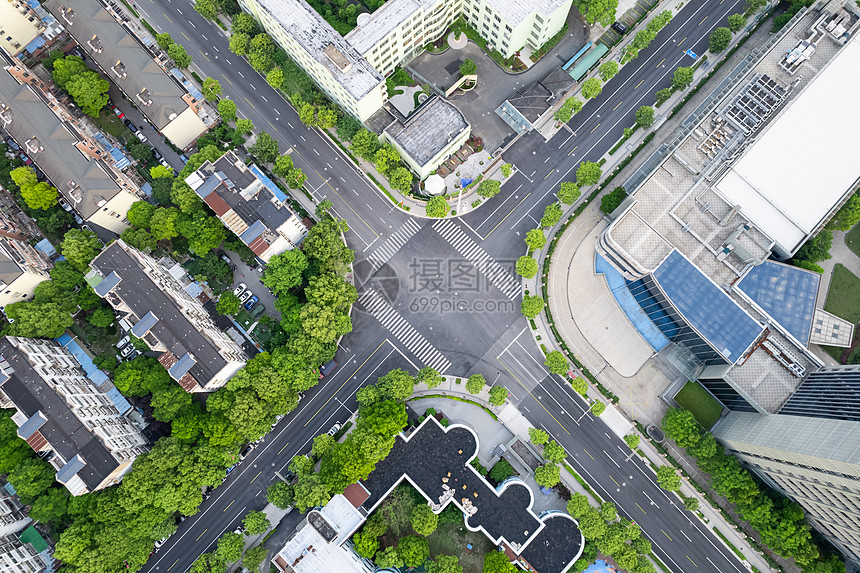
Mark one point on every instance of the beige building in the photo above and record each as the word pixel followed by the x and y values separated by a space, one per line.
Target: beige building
pixel 19 26
pixel 167 316
pixel 123 59
pixel 76 164
pixel 22 268
pixel 509 25
pixel 61 414
pixel 429 136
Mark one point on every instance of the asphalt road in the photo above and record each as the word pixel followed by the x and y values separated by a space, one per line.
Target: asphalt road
pixel 419 279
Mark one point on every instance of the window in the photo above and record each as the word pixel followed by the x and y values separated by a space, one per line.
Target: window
pixel 538 18
pixel 496 17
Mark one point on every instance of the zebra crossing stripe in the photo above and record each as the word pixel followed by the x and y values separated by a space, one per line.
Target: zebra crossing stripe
pixel 451 232
pixel 402 330
pixel 392 244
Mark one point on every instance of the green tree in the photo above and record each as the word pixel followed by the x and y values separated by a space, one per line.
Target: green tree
pixel 535 239
pixel 256 523
pixel 526 267
pixel 323 444
pixel 68 68
pixel 203 232
pixel 692 503
pixel 228 304
pixel 588 173
pixel 551 215
pixel 591 88
pixel 489 188
pixel 580 386
pixel 284 271
pixel 754 6
pixel 102 317
pixel 568 192
pixel 31 478
pixel 683 78
pixel 239 44
pixel 532 306
pixel 498 395
pixel 401 179
pixel 80 247
pixel 498 562
pixel 347 127
pixel 681 426
pixel 554 453
pixel 592 525
pixel 385 158
pixel 719 40
pixel 275 78
pixel 429 376
pixel 597 408
pixel 396 385
pixel 230 545
pixel 282 165
pixel 548 475
pixel 468 67
pixel 160 172
pixel 437 207
pixel 413 550
pixel 737 22
pixel 364 144
pixel 265 148
pixel 40 196
pixel 595 11
pixel 162 224
pixel 632 441
pixel 280 494
pixel 140 214
pixel 608 511
pixel 815 249
pixel 538 437
pixel 211 87
pixel 501 471
pixel 51 506
pixel 227 109
pixel 663 95
pixel 506 168
pixel 254 558
pixel 365 545
pixel 607 70
pixel 645 116
pixel 163 40
pixel 179 56
pixel 475 384
pixel 243 23
pixel 326 118
pixel 37 320
pixel 578 505
pixel 423 520
pixel 388 558
pixel 611 201
pixel 445 564
pixel 557 363
pixel 848 215
pixel 89 90
pixel 668 478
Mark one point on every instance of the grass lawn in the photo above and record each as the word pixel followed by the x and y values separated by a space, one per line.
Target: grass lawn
pixel 843 296
pixel 262 334
pixel 109 122
pixel 244 319
pixel 452 538
pixel 704 407
pixel 852 239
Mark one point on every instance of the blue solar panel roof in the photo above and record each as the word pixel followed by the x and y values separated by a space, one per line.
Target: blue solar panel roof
pixel 275 190
pixel 706 307
pixel 786 293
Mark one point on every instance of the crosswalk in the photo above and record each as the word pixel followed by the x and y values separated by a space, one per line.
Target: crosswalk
pixel 402 330
pixel 451 232
pixel 392 244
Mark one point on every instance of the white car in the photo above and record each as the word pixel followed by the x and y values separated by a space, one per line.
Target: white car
pixel 139 134
pixel 334 429
pixel 124 340
pixel 127 350
pixel 245 296
pixel 240 288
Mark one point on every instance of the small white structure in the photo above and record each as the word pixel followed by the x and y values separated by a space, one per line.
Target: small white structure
pixel 435 185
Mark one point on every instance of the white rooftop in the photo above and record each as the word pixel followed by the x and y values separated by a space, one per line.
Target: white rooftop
pixel 515 11
pixel 314 34
pixel 806 161
pixel 383 20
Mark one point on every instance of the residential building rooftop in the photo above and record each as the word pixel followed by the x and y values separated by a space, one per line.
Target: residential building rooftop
pixel 233 191
pixel 125 60
pixel 198 355
pixel 325 45
pixel 429 130
pixel 374 27
pixel 516 11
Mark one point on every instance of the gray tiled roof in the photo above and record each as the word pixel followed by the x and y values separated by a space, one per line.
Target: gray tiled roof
pixel 429 130
pixel 28 428
pixel 144 325
pixel 72 467
pixel 107 284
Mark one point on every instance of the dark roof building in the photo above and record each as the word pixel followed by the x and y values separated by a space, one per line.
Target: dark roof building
pixel 195 352
pixel 60 410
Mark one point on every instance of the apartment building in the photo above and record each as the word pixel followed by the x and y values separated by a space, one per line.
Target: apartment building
pixel 249 204
pixel 13 514
pixel 76 164
pixel 64 417
pixel 22 268
pixel 27 552
pixel 350 69
pixel 198 355
pixel 125 60
pixel 26 27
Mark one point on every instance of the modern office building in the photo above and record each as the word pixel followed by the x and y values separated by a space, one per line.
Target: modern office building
pixel 687 255
pixel 351 69
pixel 429 136
pixel 140 71
pixel 168 317
pixel 22 268
pixel 61 414
pixel 249 204
pixel 83 171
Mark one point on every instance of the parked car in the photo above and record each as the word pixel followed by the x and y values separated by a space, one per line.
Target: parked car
pixel 124 340
pixel 133 355
pixel 129 124
pixel 65 206
pixel 227 260
pixel 156 154
pixel 328 368
pixel 245 296
pixel 246 450
pixel 87 228
pixel 139 134
pixel 334 429
pixel 619 27
pixel 183 158
pixel 163 162
pixel 251 302
pixel 240 288
pixel 160 542
pixel 120 115
pixel 128 349
pixel 78 219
